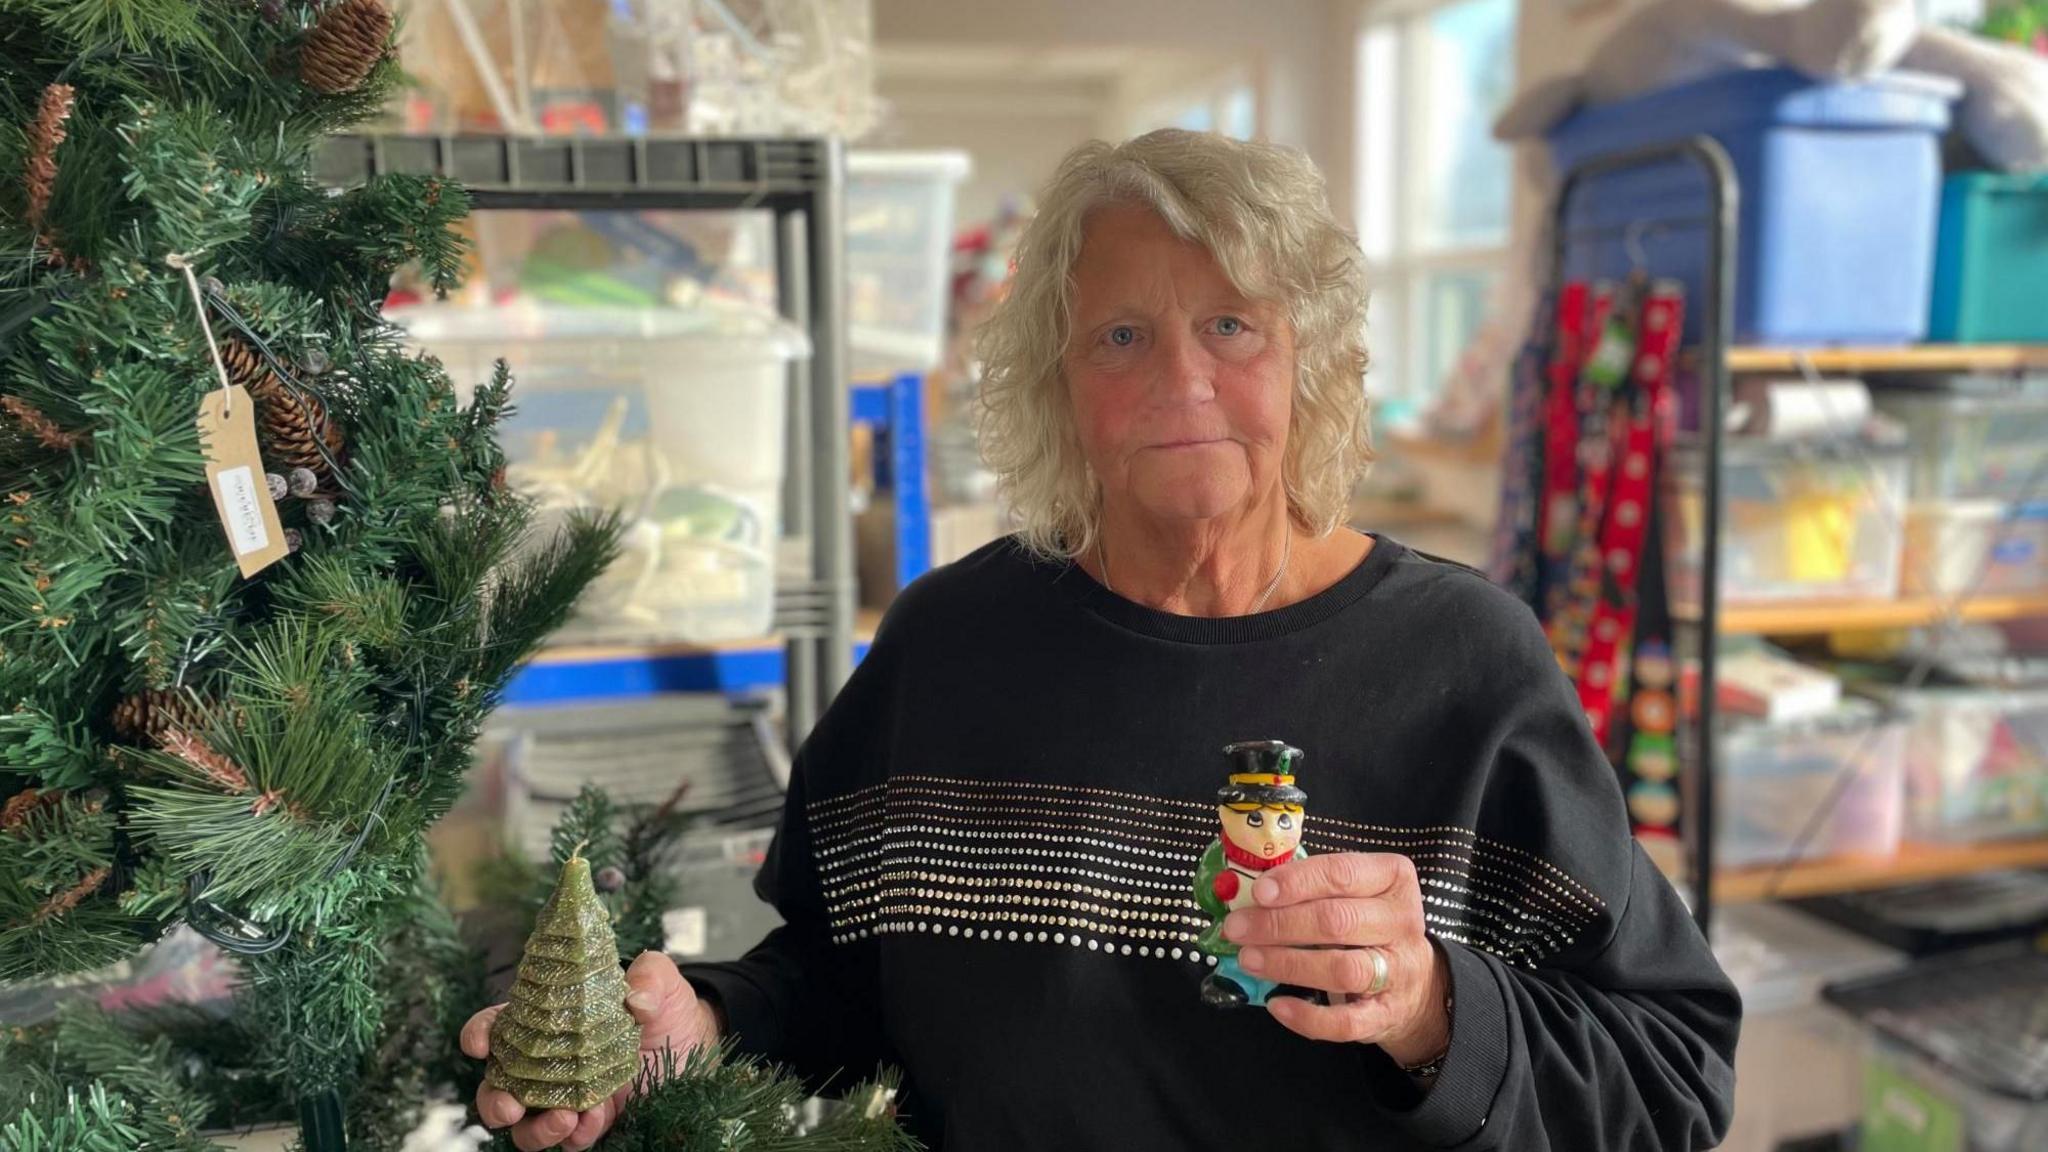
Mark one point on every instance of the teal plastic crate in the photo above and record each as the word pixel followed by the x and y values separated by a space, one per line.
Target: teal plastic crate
pixel 1991 262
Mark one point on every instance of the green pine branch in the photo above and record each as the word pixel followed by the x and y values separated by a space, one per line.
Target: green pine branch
pixel 136 25
pixel 90 1081
pixel 66 1120
pixel 640 841
pixel 432 982
pixel 101 1048
pixel 589 827
pixel 174 610
pixel 653 837
pixel 537 593
pixel 715 1098
pixel 37 744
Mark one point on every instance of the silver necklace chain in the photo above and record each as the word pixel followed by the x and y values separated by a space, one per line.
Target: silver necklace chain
pixel 1273 585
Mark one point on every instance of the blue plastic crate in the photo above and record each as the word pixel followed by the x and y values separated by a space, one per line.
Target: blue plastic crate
pixel 1839 193
pixel 1991 264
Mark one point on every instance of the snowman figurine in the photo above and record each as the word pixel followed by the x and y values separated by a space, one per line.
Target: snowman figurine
pixel 1261 812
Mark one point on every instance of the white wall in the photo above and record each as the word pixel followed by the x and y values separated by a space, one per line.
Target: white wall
pixel 1012 137
pixel 1551 37
pixel 1283 42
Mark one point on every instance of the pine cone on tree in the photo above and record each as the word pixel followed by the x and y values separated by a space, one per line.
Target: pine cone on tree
pixel 26 803
pixel 244 364
pixel 144 717
pixel 292 425
pixel 565 1039
pixel 344 45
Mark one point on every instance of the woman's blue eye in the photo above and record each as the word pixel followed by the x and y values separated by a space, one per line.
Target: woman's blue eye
pixel 1286 822
pixel 1229 326
pixel 1254 820
pixel 1123 335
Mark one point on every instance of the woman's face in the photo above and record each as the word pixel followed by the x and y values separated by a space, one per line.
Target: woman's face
pixel 1181 387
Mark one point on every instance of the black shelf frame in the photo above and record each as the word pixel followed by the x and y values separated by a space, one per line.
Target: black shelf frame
pixel 802 182
pixel 1717 335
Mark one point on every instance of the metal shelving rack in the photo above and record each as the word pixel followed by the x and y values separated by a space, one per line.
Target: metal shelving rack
pixel 1717 328
pixel 1717 361
pixel 802 182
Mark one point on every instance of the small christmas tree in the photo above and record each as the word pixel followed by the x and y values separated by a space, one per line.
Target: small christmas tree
pixel 631 850
pixel 565 1040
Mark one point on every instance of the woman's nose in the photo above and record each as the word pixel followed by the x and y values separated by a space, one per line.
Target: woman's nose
pixel 1186 371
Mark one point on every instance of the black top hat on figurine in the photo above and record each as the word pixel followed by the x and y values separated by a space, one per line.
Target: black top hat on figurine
pixel 1262 775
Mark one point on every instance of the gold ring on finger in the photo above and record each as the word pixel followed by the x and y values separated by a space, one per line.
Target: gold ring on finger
pixel 1381 973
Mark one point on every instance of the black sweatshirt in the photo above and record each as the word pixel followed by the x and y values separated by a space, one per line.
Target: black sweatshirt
pixel 985 868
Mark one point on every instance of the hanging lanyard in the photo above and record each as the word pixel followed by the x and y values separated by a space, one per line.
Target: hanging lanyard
pixel 1605 575
pixel 1561 420
pixel 1576 523
pixel 1569 457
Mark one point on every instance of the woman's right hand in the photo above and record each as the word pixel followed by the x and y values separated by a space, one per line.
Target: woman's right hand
pixel 671 1017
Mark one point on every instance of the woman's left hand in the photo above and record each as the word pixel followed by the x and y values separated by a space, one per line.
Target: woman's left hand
pixel 1316 924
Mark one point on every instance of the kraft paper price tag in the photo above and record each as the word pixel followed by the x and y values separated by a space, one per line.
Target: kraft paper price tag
pixel 234 474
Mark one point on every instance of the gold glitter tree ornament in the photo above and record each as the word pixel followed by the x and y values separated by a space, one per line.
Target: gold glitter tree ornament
pixel 565 1039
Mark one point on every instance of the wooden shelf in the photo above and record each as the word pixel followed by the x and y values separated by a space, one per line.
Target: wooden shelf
pixel 1814 617
pixel 1484 448
pixel 1914 862
pixel 1913 358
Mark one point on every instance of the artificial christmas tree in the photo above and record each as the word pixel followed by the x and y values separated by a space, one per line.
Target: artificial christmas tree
pixel 220 707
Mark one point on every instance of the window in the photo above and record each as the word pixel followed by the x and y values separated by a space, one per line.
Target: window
pixel 1433 185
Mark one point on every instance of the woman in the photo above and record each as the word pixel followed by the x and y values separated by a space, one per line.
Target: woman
pixel 986 861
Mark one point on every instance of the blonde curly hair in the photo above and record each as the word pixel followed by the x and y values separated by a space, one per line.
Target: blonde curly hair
pixel 1263 212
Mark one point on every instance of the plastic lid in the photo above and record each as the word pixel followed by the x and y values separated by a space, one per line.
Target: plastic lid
pixel 1849 714
pixel 1758 449
pixel 954 166
pixel 1964 394
pixel 1986 510
pixel 2001 183
pixel 1769 96
pixel 708 334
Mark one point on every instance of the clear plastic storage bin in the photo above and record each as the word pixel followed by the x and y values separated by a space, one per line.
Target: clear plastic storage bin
pixel 1956 1052
pixel 1972 446
pixel 1913 1097
pixel 1960 547
pixel 1776 778
pixel 899 245
pixel 673 418
pixel 1801 522
pixel 1977 761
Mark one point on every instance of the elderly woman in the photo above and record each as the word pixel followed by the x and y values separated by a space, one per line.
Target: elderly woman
pixel 986 862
